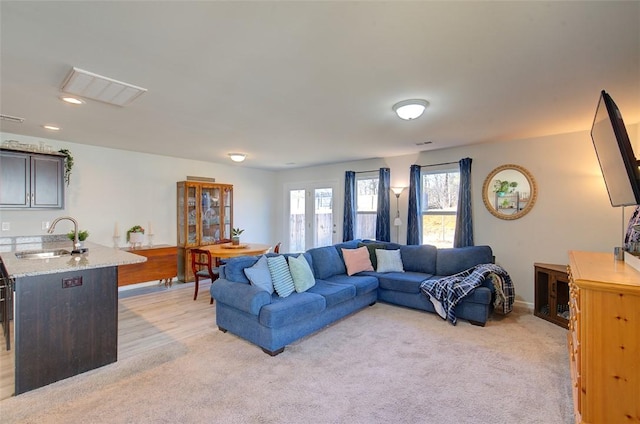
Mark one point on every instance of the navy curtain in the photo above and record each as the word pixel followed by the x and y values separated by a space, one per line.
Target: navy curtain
pixel 383 224
pixel 414 216
pixel 464 220
pixel 349 218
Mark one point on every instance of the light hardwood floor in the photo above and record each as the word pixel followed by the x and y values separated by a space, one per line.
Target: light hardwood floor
pixel 147 318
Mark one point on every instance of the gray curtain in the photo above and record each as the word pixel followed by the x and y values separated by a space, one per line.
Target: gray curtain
pixel 383 217
pixel 414 215
pixel 464 220
pixel 349 217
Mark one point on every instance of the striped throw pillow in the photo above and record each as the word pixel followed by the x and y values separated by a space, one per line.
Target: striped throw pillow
pixel 280 275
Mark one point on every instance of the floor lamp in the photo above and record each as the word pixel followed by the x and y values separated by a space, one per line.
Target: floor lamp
pixel 397 222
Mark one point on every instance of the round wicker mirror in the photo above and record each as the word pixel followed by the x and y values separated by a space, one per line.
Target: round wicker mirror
pixel 509 192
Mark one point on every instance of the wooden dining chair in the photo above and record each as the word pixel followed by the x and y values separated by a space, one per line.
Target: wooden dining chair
pixel 277 248
pixel 203 266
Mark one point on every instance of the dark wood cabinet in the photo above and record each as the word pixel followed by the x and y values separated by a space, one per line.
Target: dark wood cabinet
pixel 30 180
pixel 65 324
pixel 552 293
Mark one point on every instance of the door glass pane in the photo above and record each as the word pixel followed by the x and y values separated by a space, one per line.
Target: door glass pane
pixel 296 220
pixel 323 217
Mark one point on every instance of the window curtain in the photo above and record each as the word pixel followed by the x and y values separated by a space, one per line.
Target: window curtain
pixel 349 218
pixel 414 217
pixel 464 220
pixel 383 217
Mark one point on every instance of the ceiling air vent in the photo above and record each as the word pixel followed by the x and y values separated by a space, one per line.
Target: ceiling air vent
pixel 93 86
pixel 10 118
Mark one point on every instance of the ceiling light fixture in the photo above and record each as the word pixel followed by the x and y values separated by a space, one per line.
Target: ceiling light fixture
pixel 410 109
pixel 237 157
pixel 51 127
pixel 72 100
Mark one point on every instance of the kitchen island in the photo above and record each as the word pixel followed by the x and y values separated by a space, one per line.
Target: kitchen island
pixel 66 308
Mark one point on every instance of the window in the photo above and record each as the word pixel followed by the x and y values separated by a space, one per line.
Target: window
pixel 439 206
pixel 367 207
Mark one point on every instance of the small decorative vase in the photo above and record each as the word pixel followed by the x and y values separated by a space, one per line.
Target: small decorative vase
pixel 235 241
pixel 136 239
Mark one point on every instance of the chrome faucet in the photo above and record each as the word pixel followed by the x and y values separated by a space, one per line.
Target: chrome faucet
pixel 76 242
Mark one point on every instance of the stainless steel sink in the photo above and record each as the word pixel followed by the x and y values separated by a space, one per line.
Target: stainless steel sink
pixel 42 254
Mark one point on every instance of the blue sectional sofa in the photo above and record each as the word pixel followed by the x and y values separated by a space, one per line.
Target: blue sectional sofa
pixel 272 322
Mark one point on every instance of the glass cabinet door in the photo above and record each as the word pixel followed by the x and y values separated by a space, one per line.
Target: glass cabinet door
pixel 192 211
pixel 210 215
pixel 187 211
pixel 227 202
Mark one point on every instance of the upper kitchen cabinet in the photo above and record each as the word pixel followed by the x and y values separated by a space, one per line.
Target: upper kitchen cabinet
pixel 31 180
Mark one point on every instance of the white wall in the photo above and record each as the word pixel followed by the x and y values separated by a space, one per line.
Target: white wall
pixel 572 211
pixel 109 186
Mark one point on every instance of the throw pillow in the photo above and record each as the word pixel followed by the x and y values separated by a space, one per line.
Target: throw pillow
pixel 357 260
pixel 280 275
pixel 389 260
pixel 259 275
pixel 301 273
pixel 372 246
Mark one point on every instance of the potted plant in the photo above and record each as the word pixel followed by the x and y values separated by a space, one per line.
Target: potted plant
pixel 504 187
pixel 135 235
pixel 82 235
pixel 235 235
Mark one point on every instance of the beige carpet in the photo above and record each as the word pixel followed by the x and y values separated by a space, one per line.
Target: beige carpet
pixel 385 364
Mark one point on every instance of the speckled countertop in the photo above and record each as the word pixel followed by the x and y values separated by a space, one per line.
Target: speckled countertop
pixel 98 256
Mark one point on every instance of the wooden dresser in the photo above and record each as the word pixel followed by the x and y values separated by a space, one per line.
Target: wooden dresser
pixel 604 338
pixel 161 264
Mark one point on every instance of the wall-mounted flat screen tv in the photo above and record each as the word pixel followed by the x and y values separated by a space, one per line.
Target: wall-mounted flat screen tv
pixel 615 154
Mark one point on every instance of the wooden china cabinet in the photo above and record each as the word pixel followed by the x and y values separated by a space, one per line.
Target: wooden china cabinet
pixel 205 215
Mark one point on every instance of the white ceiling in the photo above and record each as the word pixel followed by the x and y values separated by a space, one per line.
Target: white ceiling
pixel 296 84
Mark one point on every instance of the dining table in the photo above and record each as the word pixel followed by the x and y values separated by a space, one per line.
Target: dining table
pixel 229 250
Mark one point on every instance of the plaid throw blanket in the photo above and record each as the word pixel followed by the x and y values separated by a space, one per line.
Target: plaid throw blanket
pixel 445 293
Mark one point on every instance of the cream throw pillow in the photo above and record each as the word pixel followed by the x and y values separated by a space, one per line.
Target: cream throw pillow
pixel 389 261
pixel 301 273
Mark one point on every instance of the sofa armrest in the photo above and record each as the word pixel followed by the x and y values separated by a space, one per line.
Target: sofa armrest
pixel 244 297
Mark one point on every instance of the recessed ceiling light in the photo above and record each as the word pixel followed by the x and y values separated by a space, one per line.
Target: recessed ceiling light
pixel 51 127
pixel 237 157
pixel 72 100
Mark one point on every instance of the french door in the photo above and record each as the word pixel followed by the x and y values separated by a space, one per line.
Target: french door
pixel 312 220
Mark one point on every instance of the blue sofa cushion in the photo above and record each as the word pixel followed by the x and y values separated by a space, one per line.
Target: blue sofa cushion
pixel 420 258
pixel 294 308
pixel 407 282
pixel 244 297
pixel 333 293
pixel 351 244
pixel 454 260
pixel 234 268
pixel 326 262
pixel 362 283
